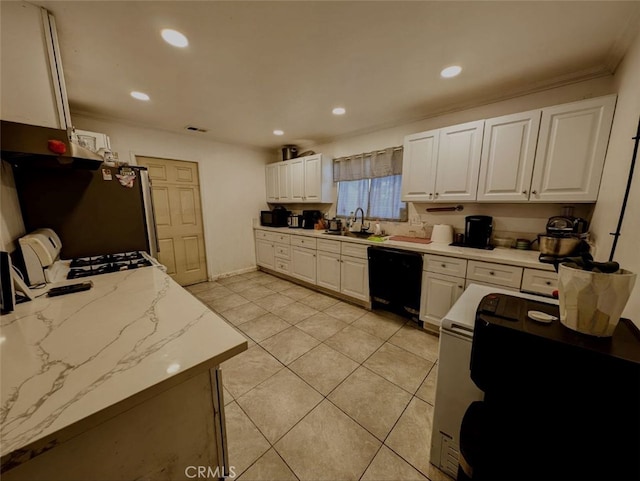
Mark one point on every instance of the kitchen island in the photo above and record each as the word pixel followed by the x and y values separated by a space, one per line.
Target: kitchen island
pixel 117 382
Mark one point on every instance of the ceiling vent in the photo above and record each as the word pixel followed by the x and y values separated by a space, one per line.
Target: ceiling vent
pixel 195 129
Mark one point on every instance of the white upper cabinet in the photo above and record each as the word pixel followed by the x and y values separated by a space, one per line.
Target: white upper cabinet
pixel 271 176
pixel 508 153
pixel 284 182
pixel 33 89
pixel 571 149
pixel 458 162
pixel 302 180
pixel 419 166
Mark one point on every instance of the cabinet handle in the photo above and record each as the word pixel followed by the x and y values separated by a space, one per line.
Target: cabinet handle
pixel 443 265
pixel 548 283
pixel 491 273
pixel 437 194
pixel 524 192
pixel 534 192
pixel 430 194
pixel 459 287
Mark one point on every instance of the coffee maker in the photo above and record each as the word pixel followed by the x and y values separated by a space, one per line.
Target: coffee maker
pixel 477 231
pixel 310 217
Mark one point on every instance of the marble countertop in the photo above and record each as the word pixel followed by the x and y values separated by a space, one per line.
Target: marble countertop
pixel 513 257
pixel 73 361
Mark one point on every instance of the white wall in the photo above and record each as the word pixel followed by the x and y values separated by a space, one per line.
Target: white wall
pixel 614 179
pixel 509 219
pixel 232 185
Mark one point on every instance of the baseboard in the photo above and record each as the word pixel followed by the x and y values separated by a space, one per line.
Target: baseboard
pixel 233 273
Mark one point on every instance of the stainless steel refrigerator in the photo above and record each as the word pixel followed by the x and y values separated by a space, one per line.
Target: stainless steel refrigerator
pixel 94 212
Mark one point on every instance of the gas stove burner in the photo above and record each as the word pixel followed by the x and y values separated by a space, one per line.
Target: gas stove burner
pixel 93 266
pixel 105 259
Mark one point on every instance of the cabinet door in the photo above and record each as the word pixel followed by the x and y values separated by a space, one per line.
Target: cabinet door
pixel 303 264
pixel 296 176
pixel 439 293
pixel 571 150
pixel 265 254
pixel 32 89
pixel 312 178
pixel 271 176
pixel 508 151
pixel 328 270
pixel 283 182
pixel 458 162
pixel 419 166
pixel 354 277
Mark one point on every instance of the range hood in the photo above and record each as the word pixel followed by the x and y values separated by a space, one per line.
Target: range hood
pixel 26 145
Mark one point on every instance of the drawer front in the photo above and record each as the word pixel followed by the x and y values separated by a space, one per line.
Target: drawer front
pixel 282 238
pixel 264 235
pixel 283 265
pixel 468 282
pixel 539 282
pixel 354 250
pixel 451 266
pixel 498 274
pixel 283 252
pixel 329 246
pixel 298 240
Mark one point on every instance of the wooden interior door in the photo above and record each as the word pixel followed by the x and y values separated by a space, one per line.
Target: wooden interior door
pixel 175 187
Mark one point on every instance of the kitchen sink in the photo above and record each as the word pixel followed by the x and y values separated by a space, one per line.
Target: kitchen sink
pixel 358 235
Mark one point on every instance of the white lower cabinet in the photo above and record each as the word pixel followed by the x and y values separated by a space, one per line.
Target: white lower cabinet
pixel 265 253
pixel 343 273
pixel 439 293
pixel 328 270
pixel 354 277
pixel 303 264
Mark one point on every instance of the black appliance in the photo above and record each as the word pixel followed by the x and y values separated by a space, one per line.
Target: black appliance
pixel 310 218
pixel 278 217
pixel 93 212
pixel 395 280
pixel 477 231
pixel 557 404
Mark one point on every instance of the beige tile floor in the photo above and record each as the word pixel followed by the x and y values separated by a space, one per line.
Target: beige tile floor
pixel 327 390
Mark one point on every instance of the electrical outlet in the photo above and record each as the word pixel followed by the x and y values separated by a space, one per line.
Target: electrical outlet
pixel 415 220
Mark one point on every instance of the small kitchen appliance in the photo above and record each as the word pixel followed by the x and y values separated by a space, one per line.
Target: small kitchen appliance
pixel 278 217
pixel 295 221
pixel 40 249
pixel 335 225
pixel 310 217
pixel 565 236
pixel 477 231
pixel 289 152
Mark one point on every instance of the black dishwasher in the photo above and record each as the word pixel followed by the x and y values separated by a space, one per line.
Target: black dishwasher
pixel 395 280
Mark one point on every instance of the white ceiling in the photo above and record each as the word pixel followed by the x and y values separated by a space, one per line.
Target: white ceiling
pixel 252 67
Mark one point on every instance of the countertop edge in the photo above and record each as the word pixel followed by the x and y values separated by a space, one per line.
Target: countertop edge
pixel 436 249
pixel 50 441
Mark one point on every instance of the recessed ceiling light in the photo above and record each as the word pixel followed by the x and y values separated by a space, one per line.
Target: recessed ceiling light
pixel 451 71
pixel 338 111
pixel 278 132
pixel 175 38
pixel 139 95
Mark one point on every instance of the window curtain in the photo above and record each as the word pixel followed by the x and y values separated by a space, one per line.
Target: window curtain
pixel 371 165
pixel 385 200
pixel 351 195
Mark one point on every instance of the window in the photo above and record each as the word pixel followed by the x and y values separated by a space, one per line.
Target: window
pixel 379 198
pixel 372 181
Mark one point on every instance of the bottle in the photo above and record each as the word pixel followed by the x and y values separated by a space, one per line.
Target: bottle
pixel 377 230
pixel 350 220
